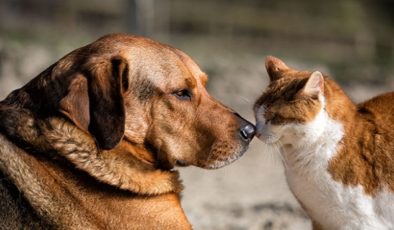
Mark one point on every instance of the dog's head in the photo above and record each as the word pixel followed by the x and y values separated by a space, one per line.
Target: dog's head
pixel 147 93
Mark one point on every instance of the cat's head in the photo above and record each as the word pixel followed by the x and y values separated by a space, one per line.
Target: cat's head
pixel 291 110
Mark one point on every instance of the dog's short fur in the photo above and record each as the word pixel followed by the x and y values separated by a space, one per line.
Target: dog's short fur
pixel 91 142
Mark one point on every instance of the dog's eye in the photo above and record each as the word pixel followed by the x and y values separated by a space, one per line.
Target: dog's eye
pixel 184 94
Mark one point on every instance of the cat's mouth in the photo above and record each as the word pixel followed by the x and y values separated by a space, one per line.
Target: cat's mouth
pixel 267 138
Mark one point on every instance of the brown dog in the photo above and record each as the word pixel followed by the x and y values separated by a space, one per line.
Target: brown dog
pixel 91 142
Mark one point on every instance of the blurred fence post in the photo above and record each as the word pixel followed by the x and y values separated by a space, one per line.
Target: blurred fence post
pixel 150 17
pixel 144 16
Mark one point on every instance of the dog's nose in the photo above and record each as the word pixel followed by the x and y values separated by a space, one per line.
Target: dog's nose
pixel 247 130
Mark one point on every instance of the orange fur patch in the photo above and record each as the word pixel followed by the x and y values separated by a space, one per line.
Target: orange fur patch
pixel 366 156
pixel 285 102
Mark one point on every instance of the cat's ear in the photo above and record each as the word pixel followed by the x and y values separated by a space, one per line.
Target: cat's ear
pixel 275 67
pixel 315 84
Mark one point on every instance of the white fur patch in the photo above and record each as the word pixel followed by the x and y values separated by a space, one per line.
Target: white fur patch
pixel 265 132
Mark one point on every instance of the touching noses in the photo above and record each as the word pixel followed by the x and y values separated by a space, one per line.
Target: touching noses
pixel 247 132
pixel 247 129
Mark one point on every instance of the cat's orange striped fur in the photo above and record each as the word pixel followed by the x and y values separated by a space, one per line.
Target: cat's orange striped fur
pixel 339 156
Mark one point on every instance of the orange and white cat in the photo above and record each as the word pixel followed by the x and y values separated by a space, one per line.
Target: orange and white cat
pixel 338 156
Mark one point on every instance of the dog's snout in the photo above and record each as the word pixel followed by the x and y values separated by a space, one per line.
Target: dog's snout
pixel 247 130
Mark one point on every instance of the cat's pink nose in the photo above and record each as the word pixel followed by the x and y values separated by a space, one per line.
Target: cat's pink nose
pixel 258 135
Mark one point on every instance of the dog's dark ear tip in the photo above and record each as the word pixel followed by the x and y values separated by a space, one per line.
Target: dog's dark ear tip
pixel 105 139
pixel 118 60
pixel 108 145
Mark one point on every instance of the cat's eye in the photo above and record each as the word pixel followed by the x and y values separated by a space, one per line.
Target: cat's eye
pixel 184 94
pixel 268 120
pixel 275 119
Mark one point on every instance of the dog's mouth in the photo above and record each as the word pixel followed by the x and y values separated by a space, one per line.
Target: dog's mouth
pixel 219 163
pixel 220 155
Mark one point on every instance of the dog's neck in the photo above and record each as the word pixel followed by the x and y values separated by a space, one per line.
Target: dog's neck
pixel 69 199
pixel 127 166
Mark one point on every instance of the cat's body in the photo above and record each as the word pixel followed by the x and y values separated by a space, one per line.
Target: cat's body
pixel 339 157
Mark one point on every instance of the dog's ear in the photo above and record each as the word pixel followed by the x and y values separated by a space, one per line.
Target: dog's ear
pixel 94 101
pixel 75 105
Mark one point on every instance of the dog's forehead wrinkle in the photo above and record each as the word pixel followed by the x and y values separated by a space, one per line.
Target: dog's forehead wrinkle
pixel 191 67
pixel 143 89
pixel 190 82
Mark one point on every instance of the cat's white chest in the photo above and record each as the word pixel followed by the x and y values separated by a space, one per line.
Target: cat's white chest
pixel 330 203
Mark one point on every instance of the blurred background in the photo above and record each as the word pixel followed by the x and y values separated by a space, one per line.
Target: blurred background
pixel 351 40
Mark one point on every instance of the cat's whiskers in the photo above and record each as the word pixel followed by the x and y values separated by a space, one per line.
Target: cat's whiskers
pixel 275 150
pixel 272 150
pixel 245 99
pixel 283 161
pixel 280 148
